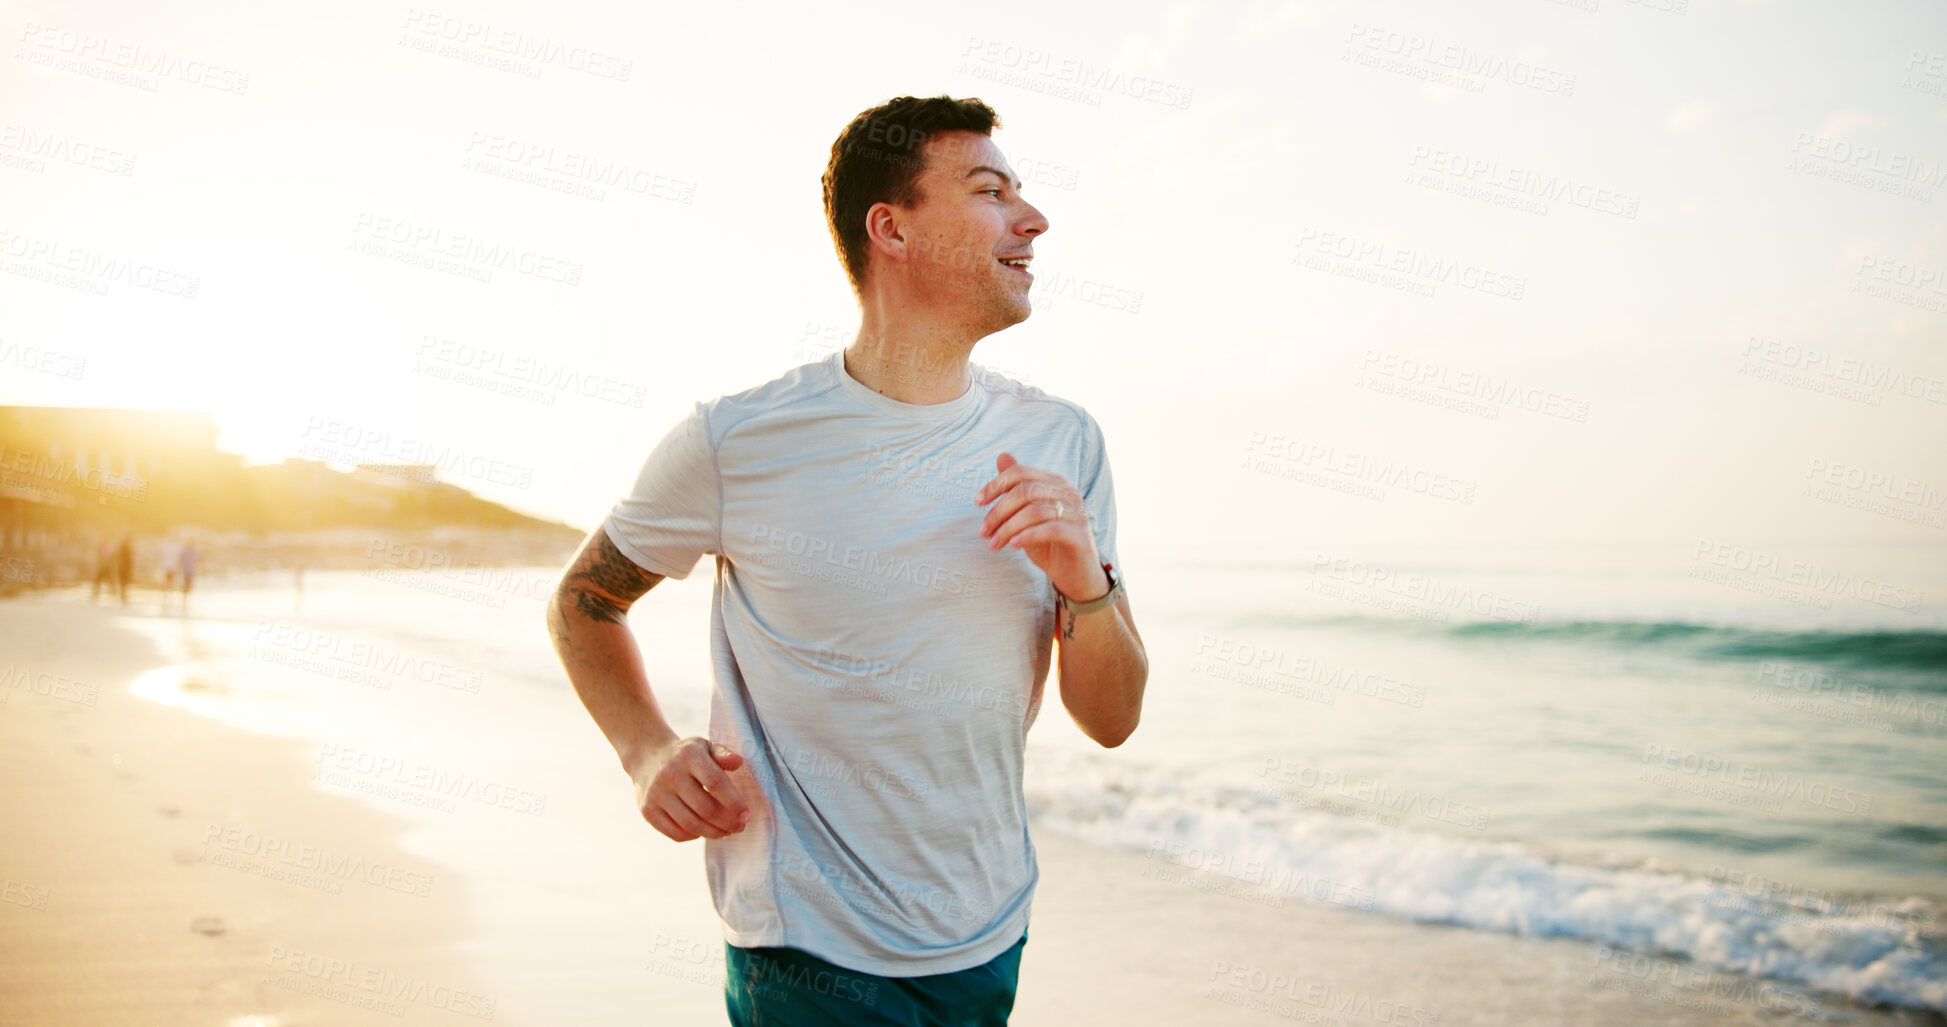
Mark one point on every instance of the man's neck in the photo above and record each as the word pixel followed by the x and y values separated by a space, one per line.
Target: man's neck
pixel 912 364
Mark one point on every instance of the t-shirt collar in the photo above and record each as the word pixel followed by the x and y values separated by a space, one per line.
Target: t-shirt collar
pixel 915 411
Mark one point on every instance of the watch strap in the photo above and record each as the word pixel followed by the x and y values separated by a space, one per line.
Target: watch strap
pixel 1115 590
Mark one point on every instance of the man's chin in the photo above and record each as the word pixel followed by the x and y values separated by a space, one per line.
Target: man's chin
pixel 1015 311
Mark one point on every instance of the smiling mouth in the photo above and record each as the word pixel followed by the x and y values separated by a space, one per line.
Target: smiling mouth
pixel 1019 264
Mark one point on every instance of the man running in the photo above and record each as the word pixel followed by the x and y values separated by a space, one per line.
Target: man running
pixel 902 541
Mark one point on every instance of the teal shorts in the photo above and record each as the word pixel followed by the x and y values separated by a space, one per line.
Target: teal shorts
pixel 786 987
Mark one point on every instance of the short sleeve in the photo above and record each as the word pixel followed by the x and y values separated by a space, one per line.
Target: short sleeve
pixel 1098 492
pixel 670 519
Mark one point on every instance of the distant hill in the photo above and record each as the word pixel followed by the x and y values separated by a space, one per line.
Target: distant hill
pixel 73 477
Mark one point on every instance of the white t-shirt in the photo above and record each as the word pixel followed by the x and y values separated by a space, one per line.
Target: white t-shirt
pixel 876 663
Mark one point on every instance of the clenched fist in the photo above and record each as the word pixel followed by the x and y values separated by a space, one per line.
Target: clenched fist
pixel 684 790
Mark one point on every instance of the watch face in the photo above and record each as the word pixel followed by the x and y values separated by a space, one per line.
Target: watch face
pixel 1115 580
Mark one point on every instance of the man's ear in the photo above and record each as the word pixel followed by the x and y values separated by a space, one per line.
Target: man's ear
pixel 885 231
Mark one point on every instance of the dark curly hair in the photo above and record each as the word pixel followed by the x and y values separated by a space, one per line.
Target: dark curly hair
pixel 877 159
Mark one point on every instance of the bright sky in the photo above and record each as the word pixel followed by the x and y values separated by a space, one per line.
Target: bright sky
pixel 1693 253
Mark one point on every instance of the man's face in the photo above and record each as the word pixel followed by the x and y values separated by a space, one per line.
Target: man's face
pixel 971 218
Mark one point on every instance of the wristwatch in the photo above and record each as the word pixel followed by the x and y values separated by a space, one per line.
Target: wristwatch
pixel 1076 609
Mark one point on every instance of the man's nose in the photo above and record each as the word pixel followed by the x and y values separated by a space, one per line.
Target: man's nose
pixel 1036 224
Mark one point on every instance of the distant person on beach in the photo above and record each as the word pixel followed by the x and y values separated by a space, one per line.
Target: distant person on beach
pixel 104 567
pixel 902 541
pixel 186 567
pixel 124 566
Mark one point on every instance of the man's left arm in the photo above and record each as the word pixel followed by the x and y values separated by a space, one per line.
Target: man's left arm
pixel 1103 664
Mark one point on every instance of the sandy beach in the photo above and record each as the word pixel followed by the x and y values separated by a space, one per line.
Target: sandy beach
pixel 160 867
pixel 164 868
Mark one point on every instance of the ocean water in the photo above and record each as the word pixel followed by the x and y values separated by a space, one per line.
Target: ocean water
pixel 1730 756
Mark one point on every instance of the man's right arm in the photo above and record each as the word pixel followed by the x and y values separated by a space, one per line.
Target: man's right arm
pixel 681 785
